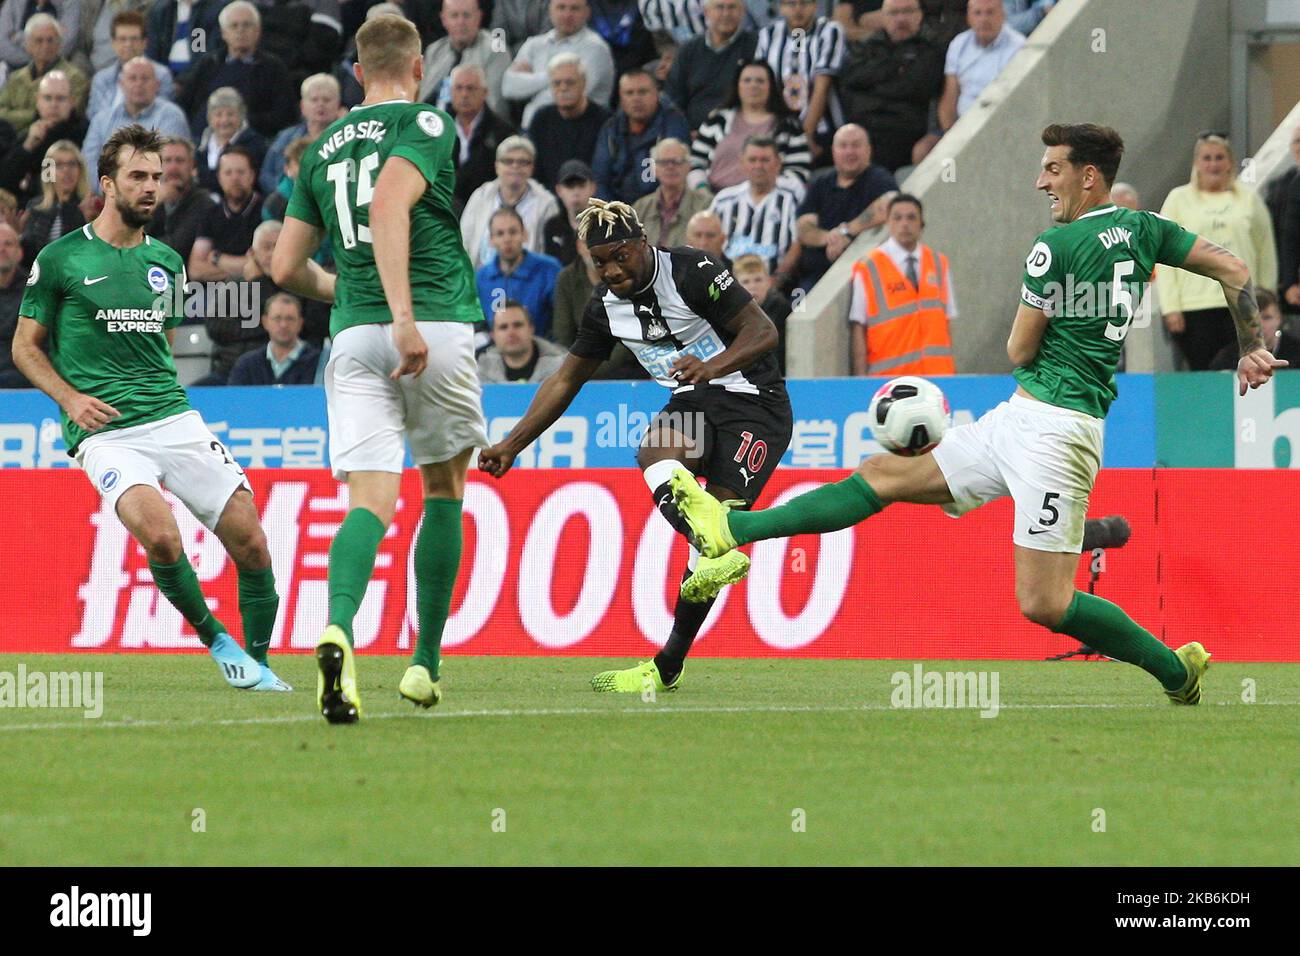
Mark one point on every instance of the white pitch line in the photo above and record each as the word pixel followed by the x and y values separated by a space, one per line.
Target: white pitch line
pixel 644 710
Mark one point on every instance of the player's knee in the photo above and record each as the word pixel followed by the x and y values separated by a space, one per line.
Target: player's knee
pixel 162 545
pixel 1046 610
pixel 250 551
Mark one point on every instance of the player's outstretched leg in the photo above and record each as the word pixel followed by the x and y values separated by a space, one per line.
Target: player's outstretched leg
pixel 241 533
pixel 716 529
pixel 147 516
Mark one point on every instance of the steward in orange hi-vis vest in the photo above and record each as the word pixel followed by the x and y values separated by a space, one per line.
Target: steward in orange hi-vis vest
pixel 905 325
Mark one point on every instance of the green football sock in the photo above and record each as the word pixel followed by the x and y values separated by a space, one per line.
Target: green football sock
pixel 437 560
pixel 258 604
pixel 352 560
pixel 828 508
pixel 180 585
pixel 1105 627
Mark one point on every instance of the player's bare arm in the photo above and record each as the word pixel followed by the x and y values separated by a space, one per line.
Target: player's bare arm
pixel 553 396
pixel 1215 262
pixel 1026 335
pixel 31 359
pixel 755 336
pixel 292 267
pixel 399 187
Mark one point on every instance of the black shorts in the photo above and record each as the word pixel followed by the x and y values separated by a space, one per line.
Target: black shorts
pixel 743 436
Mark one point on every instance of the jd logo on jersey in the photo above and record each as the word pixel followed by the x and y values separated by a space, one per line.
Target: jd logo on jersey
pixel 1040 258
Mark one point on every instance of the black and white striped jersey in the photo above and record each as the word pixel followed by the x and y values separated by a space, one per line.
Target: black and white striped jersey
pixel 766 228
pixel 683 310
pixel 799 58
pixel 684 18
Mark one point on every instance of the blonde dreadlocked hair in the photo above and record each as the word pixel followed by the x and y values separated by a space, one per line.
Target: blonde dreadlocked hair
pixel 608 221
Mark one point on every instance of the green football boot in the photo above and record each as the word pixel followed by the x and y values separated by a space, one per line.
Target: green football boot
pixel 1197 661
pixel 634 680
pixel 706 515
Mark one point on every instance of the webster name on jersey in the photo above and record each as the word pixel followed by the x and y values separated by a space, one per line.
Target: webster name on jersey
pixel 372 130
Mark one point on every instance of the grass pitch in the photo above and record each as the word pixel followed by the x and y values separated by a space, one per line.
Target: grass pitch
pixel 752 762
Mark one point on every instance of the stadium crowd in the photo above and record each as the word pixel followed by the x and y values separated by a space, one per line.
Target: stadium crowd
pixel 769 132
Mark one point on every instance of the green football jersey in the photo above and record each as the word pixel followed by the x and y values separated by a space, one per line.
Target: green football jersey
pixel 107 311
pixel 335 184
pixel 1090 276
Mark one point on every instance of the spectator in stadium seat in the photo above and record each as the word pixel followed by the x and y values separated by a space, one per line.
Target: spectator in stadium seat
pixel 975 58
pixel 18 95
pixel 705 67
pixel 704 231
pixel 183 204
pixel 57 118
pixel 902 301
pixel 257 270
pixel 226 233
pixel 623 148
pixel 841 203
pixel 526 81
pixel 751 272
pixel 513 187
pixel 170 36
pixel 13 280
pixel 619 24
pixel 141 104
pixel 261 78
pixel 1123 194
pixel 754 107
pixel 233 334
pixel 306 35
pixel 560 234
pixel 65 202
pixel 319 105
pixel 287 359
pixel 15 15
pixel 1214 205
pixel 516 273
pixel 466 43
pixel 520 20
pixel 566 129
pixel 275 204
pixel 759 214
pixel 1283 200
pixel 672 22
pixel 1025 15
pixel 8 208
pixel 807 51
pixel 128 43
pixel 479 131
pixel 516 353
pixel 227 126
pixel 1277 338
pixel 665 212
pixel 888 81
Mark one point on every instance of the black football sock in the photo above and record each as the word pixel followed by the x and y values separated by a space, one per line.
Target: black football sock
pixel 688 618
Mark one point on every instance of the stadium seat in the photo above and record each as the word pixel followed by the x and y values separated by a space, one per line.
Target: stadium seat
pixel 193 352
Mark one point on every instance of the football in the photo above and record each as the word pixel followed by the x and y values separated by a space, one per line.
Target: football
pixel 909 415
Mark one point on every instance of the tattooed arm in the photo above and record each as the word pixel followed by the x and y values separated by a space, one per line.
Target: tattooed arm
pixel 1215 262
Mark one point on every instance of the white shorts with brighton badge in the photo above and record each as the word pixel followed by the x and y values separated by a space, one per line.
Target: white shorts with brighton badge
pixel 178 452
pixel 1044 456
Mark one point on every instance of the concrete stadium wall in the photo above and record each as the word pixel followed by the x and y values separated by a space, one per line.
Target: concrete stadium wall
pixel 1156 70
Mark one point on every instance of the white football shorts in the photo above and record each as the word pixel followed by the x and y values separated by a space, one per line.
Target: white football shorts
pixel 1044 456
pixel 371 417
pixel 178 452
